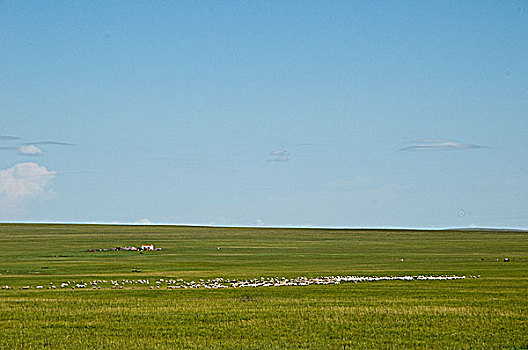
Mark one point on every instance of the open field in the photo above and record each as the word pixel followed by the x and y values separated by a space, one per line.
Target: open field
pixel 488 312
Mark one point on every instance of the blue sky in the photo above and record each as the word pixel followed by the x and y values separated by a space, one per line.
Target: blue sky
pixel 298 113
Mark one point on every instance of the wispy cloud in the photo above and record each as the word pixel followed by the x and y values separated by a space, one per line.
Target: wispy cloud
pixel 30 150
pixel 279 156
pixel 143 221
pixel 439 145
pixel 279 159
pixel 281 152
pixel 24 180
pixel 8 138
pixel 49 143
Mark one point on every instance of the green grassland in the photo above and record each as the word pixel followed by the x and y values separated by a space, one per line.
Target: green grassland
pixel 490 312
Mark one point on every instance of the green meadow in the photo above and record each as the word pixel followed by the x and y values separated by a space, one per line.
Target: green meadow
pixel 489 312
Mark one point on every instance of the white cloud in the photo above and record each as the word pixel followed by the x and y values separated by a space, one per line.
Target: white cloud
pixel 279 156
pixel 31 150
pixel 439 145
pixel 260 222
pixel 281 152
pixel 143 221
pixel 24 180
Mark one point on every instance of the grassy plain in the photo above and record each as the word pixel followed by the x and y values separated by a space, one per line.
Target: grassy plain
pixel 490 312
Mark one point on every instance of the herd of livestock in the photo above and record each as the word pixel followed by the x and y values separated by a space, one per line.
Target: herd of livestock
pixel 218 283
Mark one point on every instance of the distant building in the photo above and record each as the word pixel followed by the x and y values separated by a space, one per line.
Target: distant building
pixel 147 247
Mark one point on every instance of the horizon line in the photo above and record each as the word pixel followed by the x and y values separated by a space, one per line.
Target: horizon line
pixel 102 223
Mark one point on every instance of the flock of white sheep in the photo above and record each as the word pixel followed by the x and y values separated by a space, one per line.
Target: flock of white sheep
pixel 218 283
